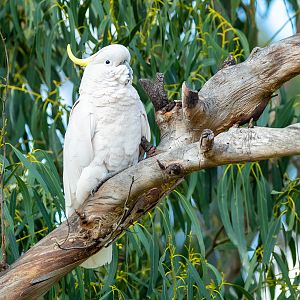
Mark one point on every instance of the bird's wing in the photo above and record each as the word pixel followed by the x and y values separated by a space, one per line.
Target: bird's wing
pixel 78 150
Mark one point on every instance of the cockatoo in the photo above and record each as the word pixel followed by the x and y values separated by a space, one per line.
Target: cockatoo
pixel 105 129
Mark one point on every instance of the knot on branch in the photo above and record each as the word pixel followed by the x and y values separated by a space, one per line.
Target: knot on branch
pixel 194 109
pixel 206 141
pixel 156 91
pixel 229 61
pixel 146 201
pixel 254 52
pixel 3 266
pixel 173 169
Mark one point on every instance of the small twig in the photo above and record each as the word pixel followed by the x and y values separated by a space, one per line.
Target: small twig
pixel 161 166
pixel 60 246
pixel 123 217
pixel 214 242
pixel 71 248
pixel 68 234
pixel 290 18
pixel 3 263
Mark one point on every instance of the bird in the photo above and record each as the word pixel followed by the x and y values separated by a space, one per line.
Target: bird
pixel 104 132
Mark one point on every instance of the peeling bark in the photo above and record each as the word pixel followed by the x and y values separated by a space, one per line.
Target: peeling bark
pixel 193 138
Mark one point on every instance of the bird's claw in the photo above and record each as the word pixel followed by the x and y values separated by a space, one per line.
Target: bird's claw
pixel 95 190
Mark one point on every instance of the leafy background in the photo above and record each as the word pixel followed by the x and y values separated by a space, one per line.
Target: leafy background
pixel 226 233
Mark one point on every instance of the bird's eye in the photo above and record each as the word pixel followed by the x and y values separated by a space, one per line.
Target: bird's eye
pixel 107 62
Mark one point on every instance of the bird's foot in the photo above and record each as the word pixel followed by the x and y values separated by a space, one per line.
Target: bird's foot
pixel 148 147
pixel 107 177
pixel 95 190
pixel 3 265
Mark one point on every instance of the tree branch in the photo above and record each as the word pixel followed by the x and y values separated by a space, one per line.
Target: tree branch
pixel 233 95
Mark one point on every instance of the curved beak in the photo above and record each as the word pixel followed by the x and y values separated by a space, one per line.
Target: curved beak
pixel 79 61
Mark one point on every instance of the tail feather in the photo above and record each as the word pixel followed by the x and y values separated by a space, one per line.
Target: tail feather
pixel 99 259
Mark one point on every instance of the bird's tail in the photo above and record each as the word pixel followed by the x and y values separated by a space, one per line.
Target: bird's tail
pixel 99 259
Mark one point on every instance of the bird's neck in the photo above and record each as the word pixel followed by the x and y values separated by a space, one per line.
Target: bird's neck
pixel 108 93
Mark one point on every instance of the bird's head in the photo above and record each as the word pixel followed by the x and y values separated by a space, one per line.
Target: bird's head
pixel 111 64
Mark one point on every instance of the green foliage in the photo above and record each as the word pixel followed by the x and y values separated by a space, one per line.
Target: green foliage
pixel 224 233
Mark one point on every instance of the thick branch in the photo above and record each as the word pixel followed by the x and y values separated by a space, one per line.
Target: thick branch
pixel 46 263
pixel 241 92
pixel 234 95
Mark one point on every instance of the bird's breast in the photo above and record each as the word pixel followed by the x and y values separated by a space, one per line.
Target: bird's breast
pixel 117 135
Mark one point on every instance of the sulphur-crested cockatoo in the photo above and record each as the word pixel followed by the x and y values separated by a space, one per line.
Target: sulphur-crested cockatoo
pixel 105 129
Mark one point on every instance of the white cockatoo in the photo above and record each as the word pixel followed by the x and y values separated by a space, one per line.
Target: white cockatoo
pixel 105 129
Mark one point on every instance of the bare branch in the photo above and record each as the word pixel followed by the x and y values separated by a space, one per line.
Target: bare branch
pixel 234 95
pixel 46 263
